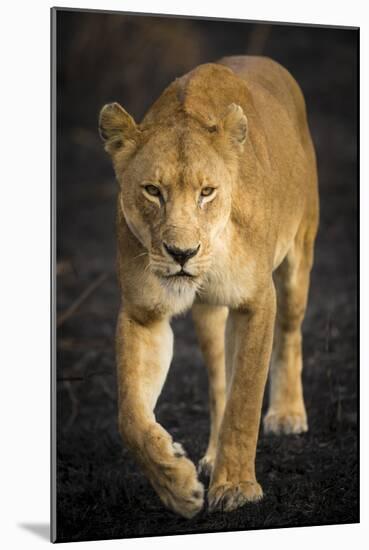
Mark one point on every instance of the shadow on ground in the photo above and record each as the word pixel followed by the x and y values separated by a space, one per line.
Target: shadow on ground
pixel 42 530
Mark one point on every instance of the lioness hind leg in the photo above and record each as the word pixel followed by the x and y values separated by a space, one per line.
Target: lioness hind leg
pixel 286 413
pixel 210 324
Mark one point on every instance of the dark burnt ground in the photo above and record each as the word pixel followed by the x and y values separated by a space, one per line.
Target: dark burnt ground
pixel 308 479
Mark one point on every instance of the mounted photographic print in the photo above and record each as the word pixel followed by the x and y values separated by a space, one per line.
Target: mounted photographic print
pixel 204 368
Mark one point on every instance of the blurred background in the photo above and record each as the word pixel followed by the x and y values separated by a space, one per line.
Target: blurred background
pixel 308 479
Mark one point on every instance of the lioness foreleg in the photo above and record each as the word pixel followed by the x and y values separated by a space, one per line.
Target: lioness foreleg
pixel 210 328
pixel 233 482
pixel 144 352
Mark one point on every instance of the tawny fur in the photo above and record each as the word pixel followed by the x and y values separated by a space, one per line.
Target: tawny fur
pixel 237 127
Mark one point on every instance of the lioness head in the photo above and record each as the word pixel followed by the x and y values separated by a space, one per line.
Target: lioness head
pixel 175 178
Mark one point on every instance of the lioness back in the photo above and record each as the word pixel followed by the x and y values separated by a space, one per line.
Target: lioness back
pixel 265 73
pixel 281 115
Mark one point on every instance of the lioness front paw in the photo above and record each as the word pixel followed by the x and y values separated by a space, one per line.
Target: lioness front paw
pixel 178 487
pixel 285 423
pixel 229 496
pixel 206 465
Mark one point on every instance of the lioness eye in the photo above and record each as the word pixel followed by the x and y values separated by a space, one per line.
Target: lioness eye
pixel 207 191
pixel 153 190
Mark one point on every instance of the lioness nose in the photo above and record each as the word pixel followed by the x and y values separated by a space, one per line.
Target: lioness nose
pixel 179 255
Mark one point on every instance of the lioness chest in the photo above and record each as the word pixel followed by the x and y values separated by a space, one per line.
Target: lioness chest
pixel 231 279
pixel 225 286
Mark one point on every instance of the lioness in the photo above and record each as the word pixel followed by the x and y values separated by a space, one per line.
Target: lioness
pixel 217 210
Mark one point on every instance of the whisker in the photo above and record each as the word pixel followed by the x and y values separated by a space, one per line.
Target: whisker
pixel 147 267
pixel 163 265
pixel 195 266
pixel 141 254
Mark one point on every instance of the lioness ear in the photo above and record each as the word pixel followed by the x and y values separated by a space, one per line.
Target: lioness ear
pixel 235 123
pixel 117 128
